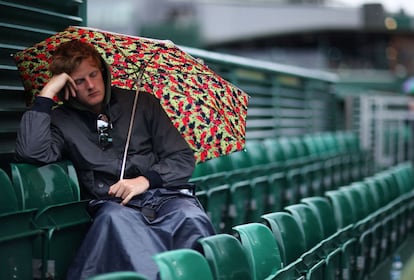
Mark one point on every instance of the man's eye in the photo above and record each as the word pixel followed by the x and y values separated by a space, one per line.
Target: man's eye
pixel 78 82
pixel 94 74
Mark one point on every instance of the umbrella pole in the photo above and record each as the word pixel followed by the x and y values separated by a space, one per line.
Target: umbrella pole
pixel 131 123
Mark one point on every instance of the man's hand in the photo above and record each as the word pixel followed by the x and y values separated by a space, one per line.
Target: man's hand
pixel 56 84
pixel 128 188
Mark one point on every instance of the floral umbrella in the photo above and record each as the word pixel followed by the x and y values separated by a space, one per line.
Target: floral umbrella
pixel 209 112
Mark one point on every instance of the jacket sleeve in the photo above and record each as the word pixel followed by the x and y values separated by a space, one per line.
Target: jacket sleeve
pixel 176 160
pixel 37 140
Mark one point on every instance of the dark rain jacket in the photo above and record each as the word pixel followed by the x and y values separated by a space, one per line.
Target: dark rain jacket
pixel 156 151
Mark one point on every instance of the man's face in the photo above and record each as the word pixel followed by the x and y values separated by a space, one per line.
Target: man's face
pixel 90 86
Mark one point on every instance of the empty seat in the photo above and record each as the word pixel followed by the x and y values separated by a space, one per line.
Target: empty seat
pixel 322 249
pixel 239 203
pixel 263 197
pixel 261 249
pixel 61 216
pixel 119 275
pixel 292 244
pixel 183 264
pixel 334 236
pixel 16 234
pixel 217 207
pixel 226 257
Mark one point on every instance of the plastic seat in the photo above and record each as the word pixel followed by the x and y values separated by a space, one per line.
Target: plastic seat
pixel 183 264
pixel 313 178
pixel 16 234
pixel 258 158
pixel 41 186
pixel 288 235
pixel 279 192
pixel 316 247
pixel 217 207
pixel 239 203
pixel 296 187
pixel 241 163
pixel 226 257
pixel 274 153
pixel 291 241
pixel 119 275
pixel 210 173
pixel 263 197
pixel 72 176
pixel 8 200
pixel 343 211
pixel 261 249
pixel 61 216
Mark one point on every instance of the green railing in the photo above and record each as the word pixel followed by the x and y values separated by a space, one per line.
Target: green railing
pixel 285 100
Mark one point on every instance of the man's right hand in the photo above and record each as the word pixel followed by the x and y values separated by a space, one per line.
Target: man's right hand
pixel 56 84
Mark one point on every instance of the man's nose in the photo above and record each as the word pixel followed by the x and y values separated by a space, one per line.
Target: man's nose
pixel 89 83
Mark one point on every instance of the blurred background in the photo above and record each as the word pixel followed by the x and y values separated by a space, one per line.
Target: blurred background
pixel 318 34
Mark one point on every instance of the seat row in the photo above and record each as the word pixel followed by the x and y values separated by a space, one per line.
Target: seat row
pixel 344 234
pixel 274 173
pixel 44 220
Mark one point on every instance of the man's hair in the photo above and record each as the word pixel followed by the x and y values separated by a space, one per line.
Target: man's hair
pixel 69 55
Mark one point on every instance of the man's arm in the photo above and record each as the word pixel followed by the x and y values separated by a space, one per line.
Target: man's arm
pixel 37 141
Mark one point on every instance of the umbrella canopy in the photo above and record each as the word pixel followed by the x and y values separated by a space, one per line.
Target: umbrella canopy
pixel 209 112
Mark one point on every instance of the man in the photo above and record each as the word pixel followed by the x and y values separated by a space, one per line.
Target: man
pixel 137 216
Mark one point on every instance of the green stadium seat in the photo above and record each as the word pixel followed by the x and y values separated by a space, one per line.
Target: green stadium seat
pixel 183 264
pixel 262 199
pixel 365 231
pixel 8 200
pixel 257 154
pixel 296 187
pixel 41 186
pixel 217 207
pixel 239 203
pixel 279 192
pixel 241 163
pixel 72 176
pixel 61 216
pixel 261 249
pixel 343 210
pixel 291 240
pixel 322 249
pixel 226 257
pixel 16 235
pixel 274 152
pixel 288 235
pixel 313 174
pixel 119 275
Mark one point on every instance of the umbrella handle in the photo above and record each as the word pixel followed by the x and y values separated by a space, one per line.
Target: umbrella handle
pixel 131 123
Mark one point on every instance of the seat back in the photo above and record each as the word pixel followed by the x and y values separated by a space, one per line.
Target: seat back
pixel 261 249
pixel 343 210
pixel 217 207
pixel 257 152
pixel 16 234
pixel 322 207
pixel 119 275
pixel 226 257
pixel 182 264
pixel 288 235
pixel 309 222
pixel 261 198
pixel 41 186
pixel 240 202
pixel 8 200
